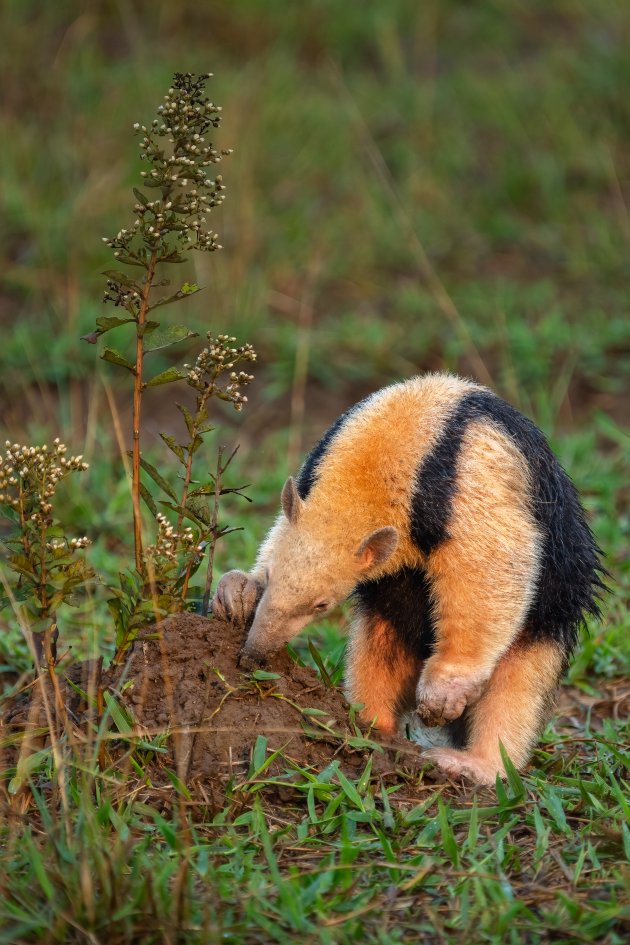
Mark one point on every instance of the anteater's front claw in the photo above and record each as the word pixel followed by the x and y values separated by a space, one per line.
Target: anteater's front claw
pixel 236 597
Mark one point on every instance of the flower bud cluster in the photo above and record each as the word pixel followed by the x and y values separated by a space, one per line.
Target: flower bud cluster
pixel 178 168
pixel 169 542
pixel 219 358
pixel 59 544
pixel 29 476
pixel 121 295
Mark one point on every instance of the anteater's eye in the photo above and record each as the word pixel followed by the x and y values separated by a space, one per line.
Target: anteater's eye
pixel 321 605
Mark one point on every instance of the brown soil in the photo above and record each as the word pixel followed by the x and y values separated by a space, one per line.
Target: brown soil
pixel 185 678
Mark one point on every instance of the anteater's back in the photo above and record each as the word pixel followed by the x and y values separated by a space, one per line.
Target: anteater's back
pixel 402 453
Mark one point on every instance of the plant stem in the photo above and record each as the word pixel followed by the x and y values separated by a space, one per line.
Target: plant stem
pixel 38 649
pixel 213 525
pixel 137 405
pixel 189 461
pixel 201 403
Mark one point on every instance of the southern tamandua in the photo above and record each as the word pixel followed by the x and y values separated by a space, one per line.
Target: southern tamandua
pixel 443 512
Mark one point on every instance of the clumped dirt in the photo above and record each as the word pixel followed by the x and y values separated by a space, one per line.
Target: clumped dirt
pixel 184 676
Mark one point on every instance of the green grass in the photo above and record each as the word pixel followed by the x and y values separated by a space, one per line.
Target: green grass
pixel 414 187
pixel 341 861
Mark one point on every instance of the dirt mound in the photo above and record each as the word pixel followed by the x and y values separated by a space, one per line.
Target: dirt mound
pixel 183 676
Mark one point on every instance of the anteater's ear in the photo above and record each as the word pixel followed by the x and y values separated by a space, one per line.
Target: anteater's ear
pixel 377 547
pixel 291 502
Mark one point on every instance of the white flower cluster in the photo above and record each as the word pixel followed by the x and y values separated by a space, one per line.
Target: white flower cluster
pixel 218 358
pixel 118 293
pixel 29 475
pixel 169 542
pixel 58 544
pixel 189 193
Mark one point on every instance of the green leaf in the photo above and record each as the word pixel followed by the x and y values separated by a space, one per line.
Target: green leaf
pixel 115 275
pixel 200 508
pixel 555 809
pixel 186 414
pixel 168 335
pixel 167 377
pixel 205 428
pixel 22 565
pixel 157 477
pixel 259 754
pixel 173 257
pixel 107 322
pixel 131 261
pixel 174 447
pixel 514 778
pixel 350 791
pixel 178 784
pixel 26 766
pixel 448 837
pixel 320 665
pixel 148 499
pixel 175 297
pixel 119 715
pixel 39 869
pixel 140 197
pixel 115 357
pixel 168 832
pixel 148 328
pixel 20 594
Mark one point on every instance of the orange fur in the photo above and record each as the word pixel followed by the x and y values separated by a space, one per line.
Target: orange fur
pixel 381 674
pixel 513 709
pixel 399 425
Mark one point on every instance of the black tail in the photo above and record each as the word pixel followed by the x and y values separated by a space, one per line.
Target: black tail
pixel 570 584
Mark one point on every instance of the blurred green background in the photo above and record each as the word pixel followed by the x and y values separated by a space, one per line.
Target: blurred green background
pixel 435 186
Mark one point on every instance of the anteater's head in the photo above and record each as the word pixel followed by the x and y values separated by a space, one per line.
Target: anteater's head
pixel 315 562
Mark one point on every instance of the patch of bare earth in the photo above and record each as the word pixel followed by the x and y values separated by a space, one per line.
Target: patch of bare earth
pixel 184 677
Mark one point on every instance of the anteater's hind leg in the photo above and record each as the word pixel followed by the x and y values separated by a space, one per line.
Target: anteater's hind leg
pixel 513 709
pixel 381 673
pixel 483 574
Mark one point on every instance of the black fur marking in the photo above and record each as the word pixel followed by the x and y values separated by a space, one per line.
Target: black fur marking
pixel 402 599
pixel 307 476
pixel 571 571
pixel 459 730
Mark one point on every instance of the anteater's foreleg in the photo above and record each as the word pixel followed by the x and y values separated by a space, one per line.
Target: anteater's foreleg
pixel 380 673
pixel 513 709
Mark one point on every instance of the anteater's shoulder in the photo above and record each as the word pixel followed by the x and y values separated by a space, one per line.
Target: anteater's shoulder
pixel 402 420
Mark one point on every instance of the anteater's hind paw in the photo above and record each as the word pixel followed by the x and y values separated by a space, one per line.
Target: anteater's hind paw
pixel 442 695
pixel 459 765
pixel 236 597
